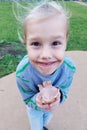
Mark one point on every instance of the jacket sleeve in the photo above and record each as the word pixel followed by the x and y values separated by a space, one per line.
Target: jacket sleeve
pixel 64 89
pixel 69 69
pixel 28 95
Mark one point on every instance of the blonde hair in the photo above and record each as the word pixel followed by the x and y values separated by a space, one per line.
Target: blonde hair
pixel 39 12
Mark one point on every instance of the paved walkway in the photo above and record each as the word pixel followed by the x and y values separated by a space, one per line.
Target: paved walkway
pixel 81 3
pixel 72 115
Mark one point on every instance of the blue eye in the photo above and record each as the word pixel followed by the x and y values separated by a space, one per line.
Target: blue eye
pixel 56 43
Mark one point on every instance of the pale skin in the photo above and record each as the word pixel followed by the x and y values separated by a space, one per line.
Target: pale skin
pixel 46 89
pixel 46 43
pixel 48 92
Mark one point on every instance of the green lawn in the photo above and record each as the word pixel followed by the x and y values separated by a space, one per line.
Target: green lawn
pixel 78 27
pixel 11 51
pixel 8 25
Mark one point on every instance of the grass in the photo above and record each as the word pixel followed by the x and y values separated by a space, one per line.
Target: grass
pixel 8 24
pixel 11 51
pixel 78 27
pixel 10 56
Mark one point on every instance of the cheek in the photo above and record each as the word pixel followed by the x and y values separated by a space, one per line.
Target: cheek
pixel 60 55
pixel 32 54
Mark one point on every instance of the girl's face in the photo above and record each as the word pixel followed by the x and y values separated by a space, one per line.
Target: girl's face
pixel 46 43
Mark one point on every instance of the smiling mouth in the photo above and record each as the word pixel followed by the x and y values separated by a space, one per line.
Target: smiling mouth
pixel 46 64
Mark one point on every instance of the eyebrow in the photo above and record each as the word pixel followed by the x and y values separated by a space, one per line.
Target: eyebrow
pixel 58 36
pixel 35 38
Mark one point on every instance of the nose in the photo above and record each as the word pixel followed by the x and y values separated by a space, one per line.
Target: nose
pixel 46 53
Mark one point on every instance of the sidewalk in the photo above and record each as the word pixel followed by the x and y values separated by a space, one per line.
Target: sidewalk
pixel 81 3
pixel 72 115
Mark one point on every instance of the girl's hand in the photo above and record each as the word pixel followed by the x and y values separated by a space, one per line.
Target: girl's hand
pixel 40 104
pixel 54 104
pixel 47 107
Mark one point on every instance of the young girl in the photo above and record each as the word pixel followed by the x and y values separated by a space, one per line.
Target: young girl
pixel 46 35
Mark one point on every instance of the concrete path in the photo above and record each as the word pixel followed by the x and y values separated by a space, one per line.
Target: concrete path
pixel 72 115
pixel 81 3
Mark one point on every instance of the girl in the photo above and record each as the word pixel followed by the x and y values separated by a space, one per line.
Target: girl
pixel 46 34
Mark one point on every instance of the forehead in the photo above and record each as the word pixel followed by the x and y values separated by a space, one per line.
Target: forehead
pixel 56 21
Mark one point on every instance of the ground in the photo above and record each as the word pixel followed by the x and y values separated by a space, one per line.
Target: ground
pixel 10 55
pixel 11 48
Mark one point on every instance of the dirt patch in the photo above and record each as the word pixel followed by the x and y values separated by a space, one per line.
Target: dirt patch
pixel 10 49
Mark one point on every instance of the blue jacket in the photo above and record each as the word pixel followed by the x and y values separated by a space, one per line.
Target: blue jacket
pixel 28 77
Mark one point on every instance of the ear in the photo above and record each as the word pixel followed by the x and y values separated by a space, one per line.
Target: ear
pixel 40 87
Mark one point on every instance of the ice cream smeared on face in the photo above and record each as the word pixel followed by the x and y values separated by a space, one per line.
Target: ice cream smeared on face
pixel 48 92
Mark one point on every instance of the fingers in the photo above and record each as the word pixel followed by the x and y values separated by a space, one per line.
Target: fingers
pixel 40 104
pixel 58 93
pixel 38 98
pixel 47 83
pixel 45 107
pixel 54 104
pixel 40 87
